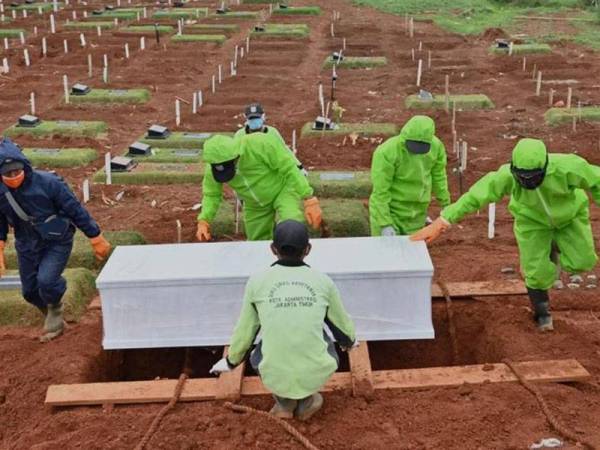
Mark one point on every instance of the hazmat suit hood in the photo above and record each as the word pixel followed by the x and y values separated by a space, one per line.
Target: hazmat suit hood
pixel 219 149
pixel 529 154
pixel 418 128
pixel 11 151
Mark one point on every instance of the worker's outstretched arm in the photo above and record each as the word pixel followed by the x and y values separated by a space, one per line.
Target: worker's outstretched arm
pixel 383 167
pixel 439 178
pixel 245 330
pixel 212 195
pixel 581 174
pixel 338 320
pixel 284 162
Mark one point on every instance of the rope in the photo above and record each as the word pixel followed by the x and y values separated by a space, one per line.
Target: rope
pixel 451 326
pixel 290 429
pixel 162 413
pixel 559 427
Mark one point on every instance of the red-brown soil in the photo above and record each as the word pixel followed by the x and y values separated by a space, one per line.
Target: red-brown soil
pixel 284 77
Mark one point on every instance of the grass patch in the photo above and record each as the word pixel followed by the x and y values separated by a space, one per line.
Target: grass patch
pixel 186 13
pixel 363 129
pixel 89 25
pixel 557 116
pixel 104 96
pixel 83 254
pixel 151 173
pixel 522 49
pixel 356 62
pixel 60 157
pixel 121 14
pixel 145 29
pixel 298 10
pixel 236 15
pixel 45 7
pixel 81 287
pixel 298 30
pixel 469 102
pixel 212 38
pixel 344 218
pixel 183 139
pixel 220 28
pixel 341 184
pixel 170 155
pixel 48 128
pixel 12 32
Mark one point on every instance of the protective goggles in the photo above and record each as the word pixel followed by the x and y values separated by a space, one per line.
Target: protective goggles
pixel 529 178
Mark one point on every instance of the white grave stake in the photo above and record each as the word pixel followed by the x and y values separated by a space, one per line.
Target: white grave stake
pixel 200 99
pixel 44 47
pixel 126 50
pixel 66 46
pixel 22 38
pixel 214 87
pixel 491 220
pixel 235 56
pixel 105 75
pixel 332 31
pixel 510 49
pixel 107 168
pixel 35 31
pixel 411 27
pixel 74 15
pixel 52 24
pixel 90 66
pixel 99 30
pixel 233 71
pixel 105 60
pixel 86 190
pixel 429 60
pixel 5 67
pixel 26 56
pixel 247 46
pixel 294 142
pixel 419 72
pixel 195 103
pixel 66 88
pixel 220 73
pixel 142 43
pixel 177 112
pixel 32 103
pixel 569 97
pixel 6 44
pixel 82 39
pixel 538 88
pixel 344 44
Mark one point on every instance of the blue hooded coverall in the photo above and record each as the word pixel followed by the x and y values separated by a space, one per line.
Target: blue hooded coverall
pixel 41 195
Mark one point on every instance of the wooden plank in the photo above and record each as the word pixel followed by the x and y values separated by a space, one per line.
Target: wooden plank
pixel 481 288
pixel 360 371
pixel 229 384
pixel 205 388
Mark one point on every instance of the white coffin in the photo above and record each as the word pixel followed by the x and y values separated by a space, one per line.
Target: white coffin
pixel 191 294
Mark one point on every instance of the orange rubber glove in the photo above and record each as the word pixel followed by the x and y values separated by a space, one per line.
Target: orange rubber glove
pixel 2 263
pixel 431 232
pixel 312 212
pixel 101 247
pixel 203 233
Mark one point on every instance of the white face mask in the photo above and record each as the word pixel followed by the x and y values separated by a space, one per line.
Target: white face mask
pixel 256 123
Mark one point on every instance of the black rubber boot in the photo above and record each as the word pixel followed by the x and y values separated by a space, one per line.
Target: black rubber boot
pixel 540 301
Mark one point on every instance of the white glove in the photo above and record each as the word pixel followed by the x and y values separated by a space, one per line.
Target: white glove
pixel 388 231
pixel 220 367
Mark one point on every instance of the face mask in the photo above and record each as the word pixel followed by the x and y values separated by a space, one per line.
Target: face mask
pixel 256 123
pixel 529 178
pixel 14 182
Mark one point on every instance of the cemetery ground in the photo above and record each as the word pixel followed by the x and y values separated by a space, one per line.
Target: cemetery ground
pixel 283 75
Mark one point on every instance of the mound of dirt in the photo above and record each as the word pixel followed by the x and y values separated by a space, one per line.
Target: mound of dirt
pixel 494 33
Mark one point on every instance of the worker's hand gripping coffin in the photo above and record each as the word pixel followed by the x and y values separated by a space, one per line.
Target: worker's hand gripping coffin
pixel 191 294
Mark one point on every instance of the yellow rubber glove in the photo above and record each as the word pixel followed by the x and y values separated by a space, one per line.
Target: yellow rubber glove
pixel 2 263
pixel 203 233
pixel 312 212
pixel 101 247
pixel 431 232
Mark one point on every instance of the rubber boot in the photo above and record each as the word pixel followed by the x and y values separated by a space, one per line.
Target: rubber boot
pixel 540 301
pixel 54 324
pixel 42 309
pixel 309 406
pixel 284 408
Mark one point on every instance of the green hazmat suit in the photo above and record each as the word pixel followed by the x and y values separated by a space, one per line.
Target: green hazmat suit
pixel 555 212
pixel 403 182
pixel 266 180
pixel 290 305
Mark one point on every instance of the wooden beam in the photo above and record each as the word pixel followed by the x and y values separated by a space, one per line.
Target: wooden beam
pixel 199 389
pixel 360 371
pixel 229 384
pixel 481 288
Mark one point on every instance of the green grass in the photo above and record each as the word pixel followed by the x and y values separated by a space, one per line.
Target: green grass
pixel 121 14
pixel 522 49
pixel 104 96
pixel 557 116
pixel 221 28
pixel 260 1
pixel 356 62
pixel 236 15
pixel 344 218
pixel 81 287
pixel 342 184
pixel 83 254
pixel 212 38
pixel 363 129
pixel 48 128
pixel 470 102
pixel 12 32
pixel 185 13
pixel 298 10
pixel 588 32
pixel 183 139
pixel 89 25
pixel 170 155
pixel 35 7
pixel 296 30
pixel 145 29
pixel 151 173
pixel 64 157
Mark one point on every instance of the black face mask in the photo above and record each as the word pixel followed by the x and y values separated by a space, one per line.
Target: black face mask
pixel 529 178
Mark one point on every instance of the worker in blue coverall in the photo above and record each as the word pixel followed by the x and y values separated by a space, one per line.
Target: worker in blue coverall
pixel 44 213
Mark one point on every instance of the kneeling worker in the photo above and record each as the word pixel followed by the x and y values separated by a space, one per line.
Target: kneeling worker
pixel 289 304
pixel 549 204
pixel 43 213
pixel 264 176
